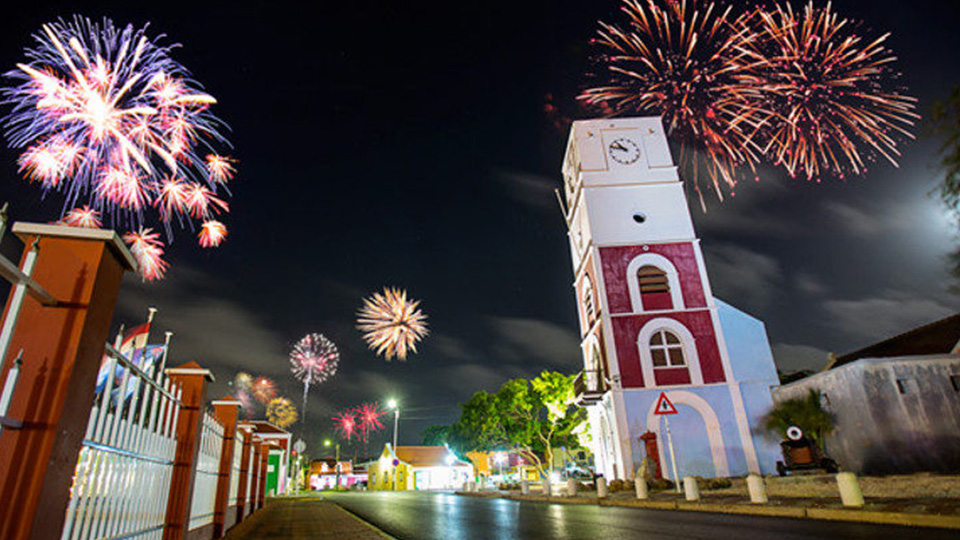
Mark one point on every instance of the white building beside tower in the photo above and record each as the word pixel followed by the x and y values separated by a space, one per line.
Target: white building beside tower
pixel 649 321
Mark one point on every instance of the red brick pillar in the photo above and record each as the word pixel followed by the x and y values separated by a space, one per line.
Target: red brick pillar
pixel 257 483
pixel 62 347
pixel 226 411
pixel 245 434
pixel 193 382
pixel 264 463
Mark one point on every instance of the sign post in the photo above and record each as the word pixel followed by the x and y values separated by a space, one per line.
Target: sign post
pixel 665 408
pixel 298 476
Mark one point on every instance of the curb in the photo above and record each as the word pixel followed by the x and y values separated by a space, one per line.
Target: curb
pixel 797 512
pixel 364 522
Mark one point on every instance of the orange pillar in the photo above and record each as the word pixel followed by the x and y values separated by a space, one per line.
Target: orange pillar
pixel 264 463
pixel 193 382
pixel 62 347
pixel 247 438
pixel 257 481
pixel 226 411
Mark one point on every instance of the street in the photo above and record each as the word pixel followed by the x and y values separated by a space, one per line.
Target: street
pixel 444 516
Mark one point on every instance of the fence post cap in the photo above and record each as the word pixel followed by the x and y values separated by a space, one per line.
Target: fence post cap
pixel 191 368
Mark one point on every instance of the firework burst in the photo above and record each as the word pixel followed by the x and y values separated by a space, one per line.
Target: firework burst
pixel 392 324
pixel 683 60
pixel 346 424
pixel 368 418
pixel 105 115
pixel 147 249
pixel 826 90
pixel 313 360
pixel 263 390
pixel 243 381
pixel 281 412
pixel 85 217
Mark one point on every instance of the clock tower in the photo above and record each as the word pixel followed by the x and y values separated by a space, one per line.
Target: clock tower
pixel 649 323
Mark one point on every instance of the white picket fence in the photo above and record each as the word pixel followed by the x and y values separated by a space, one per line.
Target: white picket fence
pixel 123 473
pixel 208 470
pixel 233 497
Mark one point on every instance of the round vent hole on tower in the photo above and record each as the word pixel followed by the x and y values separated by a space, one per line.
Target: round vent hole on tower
pixel 639 217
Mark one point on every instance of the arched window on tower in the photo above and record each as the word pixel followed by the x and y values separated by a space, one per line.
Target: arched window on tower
pixel 654 288
pixel 589 308
pixel 666 350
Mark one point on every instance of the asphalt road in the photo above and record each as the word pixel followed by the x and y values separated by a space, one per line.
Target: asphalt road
pixel 444 516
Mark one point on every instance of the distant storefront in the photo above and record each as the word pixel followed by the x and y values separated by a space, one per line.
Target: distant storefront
pixel 417 468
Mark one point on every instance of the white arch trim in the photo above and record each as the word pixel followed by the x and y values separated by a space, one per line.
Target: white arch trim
pixel 661 262
pixel 686 339
pixel 714 435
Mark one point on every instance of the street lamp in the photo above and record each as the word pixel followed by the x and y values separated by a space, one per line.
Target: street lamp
pixel 392 404
pixel 336 465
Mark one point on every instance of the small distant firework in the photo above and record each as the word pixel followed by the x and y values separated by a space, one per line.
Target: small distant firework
pixel 263 390
pixel 246 403
pixel 212 233
pixel 147 249
pixel 346 424
pixel 243 381
pixel 104 114
pixel 281 412
pixel 682 59
pixel 313 360
pixel 368 417
pixel 392 324
pixel 85 217
pixel 828 92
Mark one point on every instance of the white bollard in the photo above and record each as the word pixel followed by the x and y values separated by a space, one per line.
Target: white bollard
pixel 472 486
pixel 601 488
pixel 466 485
pixel 640 483
pixel 757 489
pixel 850 492
pixel 546 487
pixel 571 487
pixel 690 488
pixel 524 487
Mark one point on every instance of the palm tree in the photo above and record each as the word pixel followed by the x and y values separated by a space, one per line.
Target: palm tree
pixel 807 413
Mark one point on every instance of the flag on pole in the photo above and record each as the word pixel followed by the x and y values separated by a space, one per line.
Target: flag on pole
pixel 133 347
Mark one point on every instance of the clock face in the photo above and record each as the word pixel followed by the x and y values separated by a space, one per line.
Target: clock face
pixel 624 151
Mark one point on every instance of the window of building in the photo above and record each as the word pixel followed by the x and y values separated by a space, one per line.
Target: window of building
pixel 654 288
pixel 907 386
pixel 666 350
pixel 588 308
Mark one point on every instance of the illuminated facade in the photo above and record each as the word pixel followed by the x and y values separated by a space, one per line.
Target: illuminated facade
pixel 417 468
pixel 649 321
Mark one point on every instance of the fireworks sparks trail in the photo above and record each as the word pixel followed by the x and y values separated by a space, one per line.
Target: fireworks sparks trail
pixel 104 114
pixel 263 390
pixel 147 249
pixel 802 90
pixel 392 324
pixel 368 418
pixel 85 217
pixel 825 88
pixel 281 412
pixel 682 59
pixel 313 360
pixel 346 424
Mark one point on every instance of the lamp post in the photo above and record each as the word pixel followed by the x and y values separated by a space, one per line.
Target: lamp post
pixel 392 404
pixel 336 464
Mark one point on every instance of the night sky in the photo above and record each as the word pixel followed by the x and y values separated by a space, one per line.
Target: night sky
pixel 405 143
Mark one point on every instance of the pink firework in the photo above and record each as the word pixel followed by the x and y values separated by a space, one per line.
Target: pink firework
pixel 346 424
pixel 263 390
pixel 368 416
pixel 246 403
pixel 313 360
pixel 147 249
pixel 212 233
pixel 221 168
pixel 85 217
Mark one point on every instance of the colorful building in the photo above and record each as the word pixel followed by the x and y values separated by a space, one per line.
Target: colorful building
pixel 417 468
pixel 324 474
pixel 649 321
pixel 278 460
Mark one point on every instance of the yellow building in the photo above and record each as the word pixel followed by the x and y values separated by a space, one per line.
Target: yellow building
pixel 417 468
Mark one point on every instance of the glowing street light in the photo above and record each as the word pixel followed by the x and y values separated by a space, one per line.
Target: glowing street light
pixel 392 404
pixel 326 443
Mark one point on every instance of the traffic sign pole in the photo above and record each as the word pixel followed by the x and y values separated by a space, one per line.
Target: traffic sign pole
pixel 673 457
pixel 665 408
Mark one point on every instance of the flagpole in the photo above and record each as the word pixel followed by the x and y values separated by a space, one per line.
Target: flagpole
pixel 166 350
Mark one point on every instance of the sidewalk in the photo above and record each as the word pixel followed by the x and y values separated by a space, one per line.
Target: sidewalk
pixel 938 513
pixel 306 517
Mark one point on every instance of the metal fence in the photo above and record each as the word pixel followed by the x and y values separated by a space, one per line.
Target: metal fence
pixel 123 474
pixel 235 463
pixel 207 473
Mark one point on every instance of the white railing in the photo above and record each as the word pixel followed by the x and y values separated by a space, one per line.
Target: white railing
pixel 251 474
pixel 122 480
pixel 208 470
pixel 232 497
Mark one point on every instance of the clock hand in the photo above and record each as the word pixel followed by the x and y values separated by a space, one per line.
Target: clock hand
pixel 618 146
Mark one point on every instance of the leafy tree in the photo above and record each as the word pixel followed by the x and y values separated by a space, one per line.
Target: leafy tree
pixel 530 417
pixel 945 124
pixel 436 436
pixel 807 413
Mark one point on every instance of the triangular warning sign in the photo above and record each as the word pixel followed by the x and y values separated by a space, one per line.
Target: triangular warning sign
pixel 664 406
